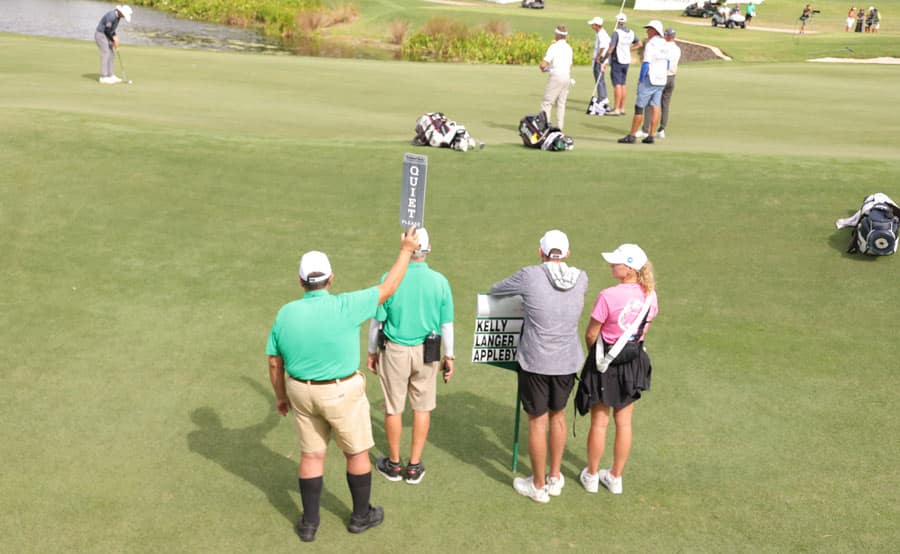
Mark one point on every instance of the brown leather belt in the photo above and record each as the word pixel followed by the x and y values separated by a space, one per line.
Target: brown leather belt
pixel 328 382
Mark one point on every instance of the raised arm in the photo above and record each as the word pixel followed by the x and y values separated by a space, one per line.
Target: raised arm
pixel 409 242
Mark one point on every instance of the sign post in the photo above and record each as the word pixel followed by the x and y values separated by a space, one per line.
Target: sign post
pixel 498 327
pixel 412 191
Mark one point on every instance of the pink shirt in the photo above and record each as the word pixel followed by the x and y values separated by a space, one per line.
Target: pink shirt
pixel 618 307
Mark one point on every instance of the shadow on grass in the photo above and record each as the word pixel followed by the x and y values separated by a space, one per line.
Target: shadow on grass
pixel 468 427
pixel 91 76
pixel 242 453
pixel 840 240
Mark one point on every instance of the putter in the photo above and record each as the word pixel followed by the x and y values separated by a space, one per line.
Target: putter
pixel 125 78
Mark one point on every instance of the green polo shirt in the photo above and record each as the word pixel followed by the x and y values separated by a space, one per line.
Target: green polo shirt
pixel 420 306
pixel 318 335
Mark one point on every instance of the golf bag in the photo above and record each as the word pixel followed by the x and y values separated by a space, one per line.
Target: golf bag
pixel 434 129
pixel 556 141
pixel 533 129
pixel 534 4
pixel 875 226
pixel 597 105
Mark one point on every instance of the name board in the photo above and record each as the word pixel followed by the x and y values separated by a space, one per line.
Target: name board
pixel 498 328
pixel 412 191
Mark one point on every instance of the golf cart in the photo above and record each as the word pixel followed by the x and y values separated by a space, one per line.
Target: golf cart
pixel 707 9
pixel 733 19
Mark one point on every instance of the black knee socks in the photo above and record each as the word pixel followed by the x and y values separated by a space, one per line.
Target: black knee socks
pixel 360 490
pixel 310 496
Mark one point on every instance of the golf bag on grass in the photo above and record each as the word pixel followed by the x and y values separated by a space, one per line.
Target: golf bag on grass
pixel 536 133
pixel 434 129
pixel 597 105
pixel 875 226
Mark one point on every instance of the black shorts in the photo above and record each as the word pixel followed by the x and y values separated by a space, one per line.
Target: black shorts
pixel 540 393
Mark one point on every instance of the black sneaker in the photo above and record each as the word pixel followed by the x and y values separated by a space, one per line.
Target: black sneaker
pixel 648 139
pixel 627 139
pixel 306 531
pixel 373 518
pixel 414 473
pixel 392 471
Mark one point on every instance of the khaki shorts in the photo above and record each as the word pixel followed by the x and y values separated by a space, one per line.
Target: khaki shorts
pixel 402 372
pixel 341 407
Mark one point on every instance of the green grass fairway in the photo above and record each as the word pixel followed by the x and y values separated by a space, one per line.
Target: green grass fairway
pixel 149 233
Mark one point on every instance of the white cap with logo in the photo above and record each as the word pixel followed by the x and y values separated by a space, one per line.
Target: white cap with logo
pixel 125 10
pixel 595 21
pixel 555 240
pixel 621 18
pixel 627 254
pixel 315 262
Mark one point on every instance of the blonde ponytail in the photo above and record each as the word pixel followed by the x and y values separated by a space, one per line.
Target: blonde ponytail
pixel 646 279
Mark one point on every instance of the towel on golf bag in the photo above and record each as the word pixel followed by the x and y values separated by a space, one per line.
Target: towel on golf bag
pixel 596 107
pixel 875 226
pixel 434 129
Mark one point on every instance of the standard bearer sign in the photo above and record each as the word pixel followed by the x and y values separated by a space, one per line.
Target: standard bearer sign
pixel 498 327
pixel 412 191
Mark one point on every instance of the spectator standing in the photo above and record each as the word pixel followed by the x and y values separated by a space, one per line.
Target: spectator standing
pixel 654 71
pixel 622 42
pixel 108 41
pixel 674 54
pixel 549 355
pixel 619 387
pixel 804 17
pixel 851 19
pixel 876 20
pixel 860 20
pixel 558 62
pixel 750 12
pixel 315 341
pixel 601 45
pixel 416 320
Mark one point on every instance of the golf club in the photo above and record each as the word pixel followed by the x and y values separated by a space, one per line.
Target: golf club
pixel 125 78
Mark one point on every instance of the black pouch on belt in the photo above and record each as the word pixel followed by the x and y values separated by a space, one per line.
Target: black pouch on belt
pixel 431 348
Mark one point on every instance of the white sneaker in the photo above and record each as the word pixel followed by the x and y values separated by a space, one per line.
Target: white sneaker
pixel 640 135
pixel 555 485
pixel 589 481
pixel 661 134
pixel 614 484
pixel 525 487
pixel 107 81
pixel 115 79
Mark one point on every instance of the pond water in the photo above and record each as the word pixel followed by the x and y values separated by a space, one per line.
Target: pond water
pixel 77 19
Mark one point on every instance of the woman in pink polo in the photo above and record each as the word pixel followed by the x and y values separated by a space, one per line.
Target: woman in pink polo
pixel 617 308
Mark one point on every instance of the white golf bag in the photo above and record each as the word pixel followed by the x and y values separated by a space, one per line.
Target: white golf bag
pixel 434 129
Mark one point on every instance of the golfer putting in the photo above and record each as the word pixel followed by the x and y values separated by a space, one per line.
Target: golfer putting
pixel 108 42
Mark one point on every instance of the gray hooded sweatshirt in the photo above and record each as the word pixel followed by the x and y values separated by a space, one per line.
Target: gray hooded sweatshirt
pixel 553 295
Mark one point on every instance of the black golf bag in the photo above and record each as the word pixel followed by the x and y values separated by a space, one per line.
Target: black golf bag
pixel 533 129
pixel 536 133
pixel 877 230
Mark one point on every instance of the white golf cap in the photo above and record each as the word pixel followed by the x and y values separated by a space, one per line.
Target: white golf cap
pixel 557 240
pixel 627 254
pixel 656 25
pixel 126 12
pixel 595 21
pixel 621 18
pixel 424 241
pixel 315 262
